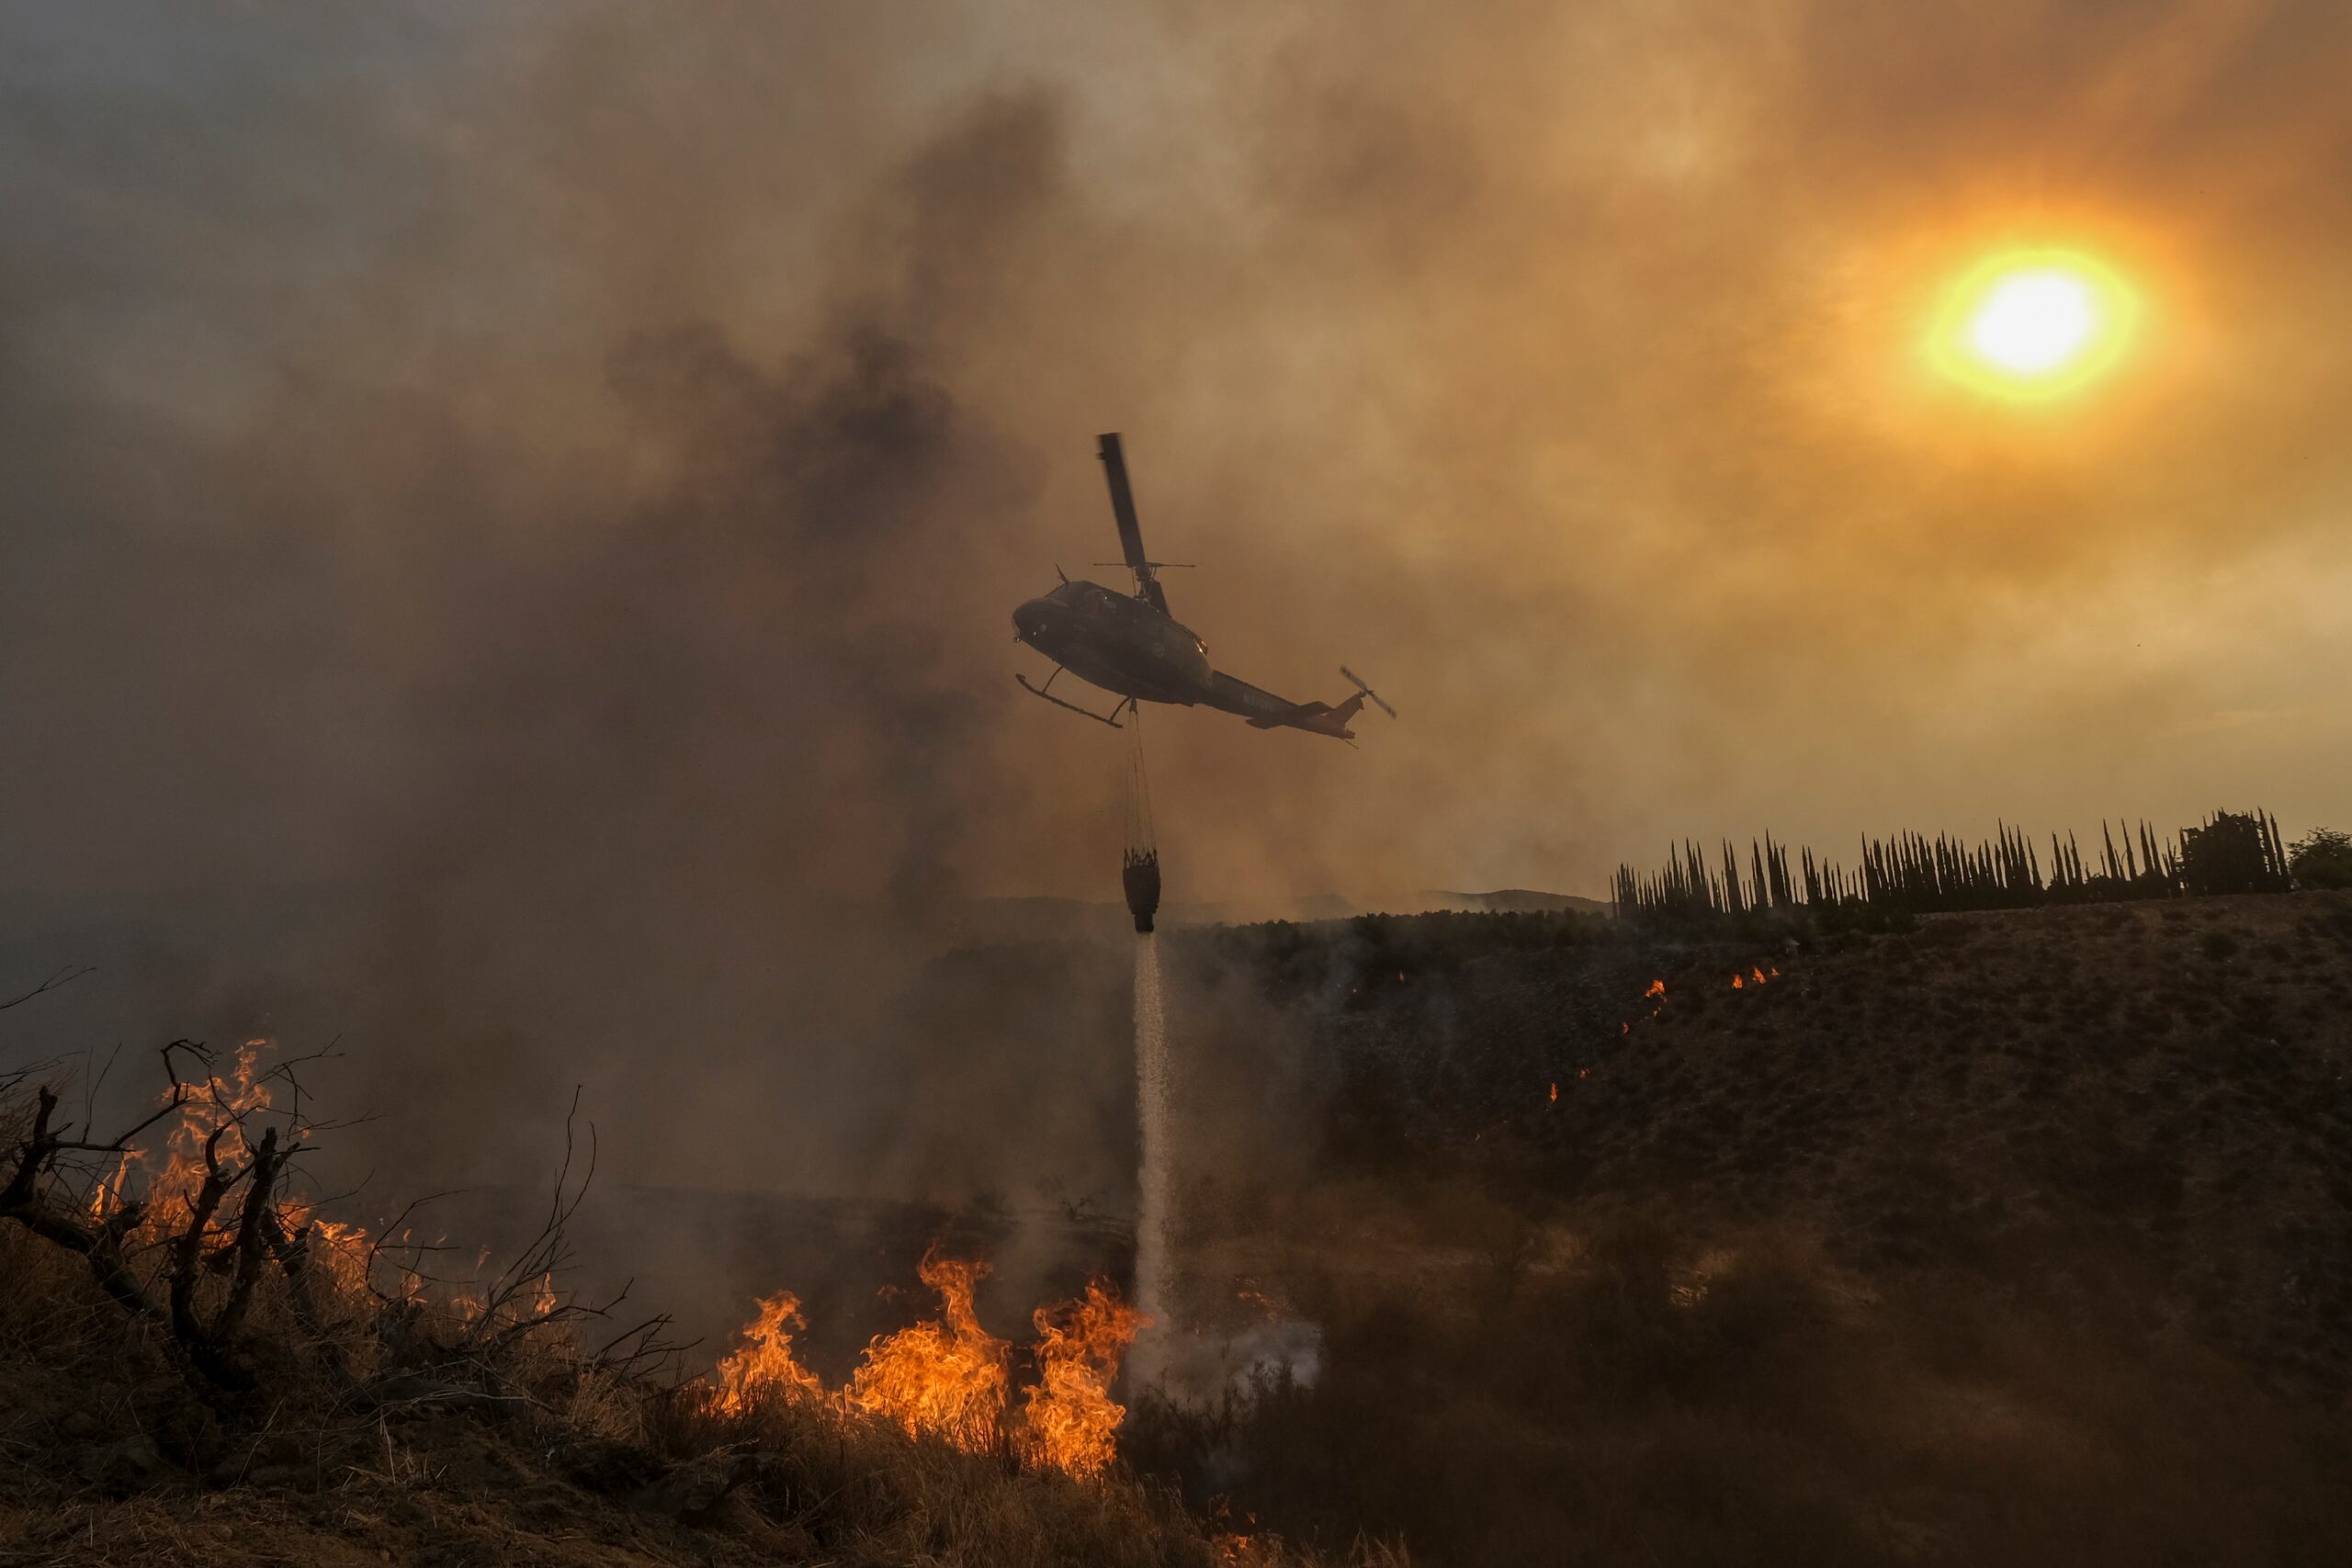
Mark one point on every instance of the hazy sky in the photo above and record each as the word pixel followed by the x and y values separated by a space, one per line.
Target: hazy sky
pixel 563 472
pixel 1558 367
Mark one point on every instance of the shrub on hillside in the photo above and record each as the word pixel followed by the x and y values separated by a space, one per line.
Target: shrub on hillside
pixel 2322 858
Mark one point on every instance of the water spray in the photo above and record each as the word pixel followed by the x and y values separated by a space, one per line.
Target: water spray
pixel 1156 1182
pixel 1139 874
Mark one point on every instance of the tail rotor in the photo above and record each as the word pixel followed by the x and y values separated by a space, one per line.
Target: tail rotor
pixel 1377 700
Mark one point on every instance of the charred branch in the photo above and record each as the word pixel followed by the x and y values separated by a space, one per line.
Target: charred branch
pixel 63 976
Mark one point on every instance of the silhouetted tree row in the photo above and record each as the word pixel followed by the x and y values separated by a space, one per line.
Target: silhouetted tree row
pixel 1910 874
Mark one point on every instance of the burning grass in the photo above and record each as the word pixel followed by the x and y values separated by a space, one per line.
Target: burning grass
pixel 949 1379
pixel 945 1377
pixel 196 1368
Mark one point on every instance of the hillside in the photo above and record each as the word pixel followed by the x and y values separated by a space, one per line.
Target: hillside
pixel 2160 1087
pixel 2014 1238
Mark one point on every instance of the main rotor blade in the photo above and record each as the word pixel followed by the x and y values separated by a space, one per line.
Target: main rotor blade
pixel 1123 508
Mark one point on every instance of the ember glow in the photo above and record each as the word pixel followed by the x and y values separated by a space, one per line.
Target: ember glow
pixel 1655 996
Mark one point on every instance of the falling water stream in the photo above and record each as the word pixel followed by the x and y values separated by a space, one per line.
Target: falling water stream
pixel 1153 1282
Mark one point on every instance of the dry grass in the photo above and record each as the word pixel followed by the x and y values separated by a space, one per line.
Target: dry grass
pixel 111 1452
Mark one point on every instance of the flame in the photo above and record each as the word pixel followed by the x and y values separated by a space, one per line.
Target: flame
pixel 1556 1091
pixel 341 1249
pixel 764 1368
pixel 218 1104
pixel 1655 996
pixel 945 1377
pixel 951 1378
pixel 211 1106
pixel 1237 1546
pixel 106 1195
pixel 1069 1416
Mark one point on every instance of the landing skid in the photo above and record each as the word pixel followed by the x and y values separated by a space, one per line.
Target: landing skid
pixel 1113 720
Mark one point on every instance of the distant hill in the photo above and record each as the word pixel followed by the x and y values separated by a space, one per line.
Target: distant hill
pixel 1512 901
pixel 1042 919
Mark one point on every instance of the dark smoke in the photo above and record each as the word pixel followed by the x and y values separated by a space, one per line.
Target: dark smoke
pixel 511 515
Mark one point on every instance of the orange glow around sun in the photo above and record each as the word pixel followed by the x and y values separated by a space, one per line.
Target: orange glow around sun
pixel 2033 324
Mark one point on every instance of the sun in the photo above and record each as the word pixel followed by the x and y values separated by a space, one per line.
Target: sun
pixel 2033 324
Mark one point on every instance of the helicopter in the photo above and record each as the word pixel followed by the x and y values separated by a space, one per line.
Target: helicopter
pixel 1130 646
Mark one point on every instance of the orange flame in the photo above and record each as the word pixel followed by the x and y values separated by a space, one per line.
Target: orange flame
pixel 106 1195
pixel 1655 996
pixel 764 1368
pixel 950 1378
pixel 211 1106
pixel 216 1104
pixel 1068 1415
pixel 1556 1091
pixel 341 1249
pixel 1236 1547
pixel 945 1377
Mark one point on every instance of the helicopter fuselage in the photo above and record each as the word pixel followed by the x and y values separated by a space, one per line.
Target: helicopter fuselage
pixel 1118 642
